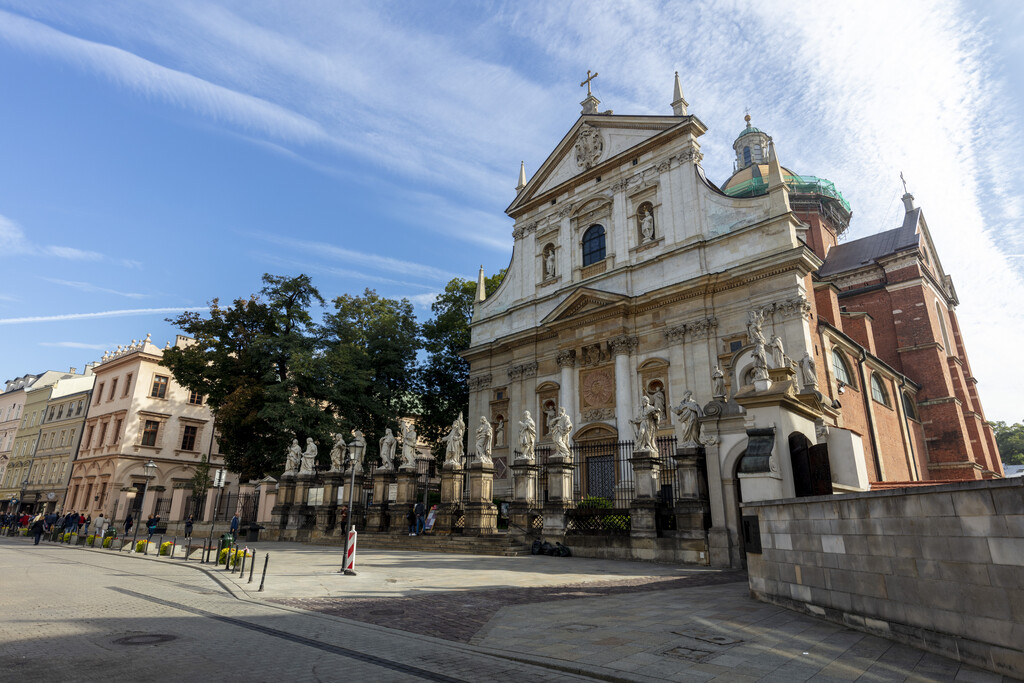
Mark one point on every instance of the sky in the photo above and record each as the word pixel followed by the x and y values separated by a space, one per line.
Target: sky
pixel 155 156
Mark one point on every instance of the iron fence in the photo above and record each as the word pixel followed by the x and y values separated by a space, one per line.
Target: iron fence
pixel 195 506
pixel 245 505
pixel 163 506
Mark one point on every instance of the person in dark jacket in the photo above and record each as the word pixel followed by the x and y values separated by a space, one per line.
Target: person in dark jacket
pixel 129 521
pixel 38 522
pixel 188 526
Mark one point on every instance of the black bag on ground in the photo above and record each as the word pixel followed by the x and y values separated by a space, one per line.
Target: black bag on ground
pixel 563 551
pixel 548 549
pixel 535 548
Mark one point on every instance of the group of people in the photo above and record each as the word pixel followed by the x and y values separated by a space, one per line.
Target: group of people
pixel 42 522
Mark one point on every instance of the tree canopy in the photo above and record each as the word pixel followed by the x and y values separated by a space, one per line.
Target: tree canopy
pixel 1010 439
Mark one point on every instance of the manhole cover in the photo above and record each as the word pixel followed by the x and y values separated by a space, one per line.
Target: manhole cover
pixel 690 653
pixel 387 612
pixel 145 639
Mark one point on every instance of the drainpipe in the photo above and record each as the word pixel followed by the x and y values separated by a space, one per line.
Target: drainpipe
pixel 865 389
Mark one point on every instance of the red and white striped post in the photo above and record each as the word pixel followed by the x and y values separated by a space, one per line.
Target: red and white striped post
pixel 350 553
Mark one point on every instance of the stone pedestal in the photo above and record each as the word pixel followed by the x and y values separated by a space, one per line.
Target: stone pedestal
pixel 481 512
pixel 692 507
pixel 643 514
pixel 524 503
pixel 404 501
pixel 645 475
pixel 345 495
pixel 326 510
pixel 375 514
pixel 451 498
pixel 559 495
pixel 281 511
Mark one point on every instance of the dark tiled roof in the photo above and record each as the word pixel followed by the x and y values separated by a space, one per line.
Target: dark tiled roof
pixel 857 253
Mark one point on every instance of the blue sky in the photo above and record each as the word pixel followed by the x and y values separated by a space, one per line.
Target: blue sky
pixel 157 155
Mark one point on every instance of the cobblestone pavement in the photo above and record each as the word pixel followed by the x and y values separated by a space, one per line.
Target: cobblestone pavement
pixel 83 614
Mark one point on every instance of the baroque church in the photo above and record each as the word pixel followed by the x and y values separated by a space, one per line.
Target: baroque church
pixel 788 361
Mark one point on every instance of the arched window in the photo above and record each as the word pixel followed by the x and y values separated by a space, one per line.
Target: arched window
pixel 746 156
pixel 839 367
pixel 908 406
pixel 593 245
pixel 878 391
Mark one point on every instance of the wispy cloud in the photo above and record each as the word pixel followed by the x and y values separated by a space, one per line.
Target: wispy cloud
pixel 306 266
pixel 101 314
pixel 88 287
pixel 13 241
pixel 78 345
pixel 423 300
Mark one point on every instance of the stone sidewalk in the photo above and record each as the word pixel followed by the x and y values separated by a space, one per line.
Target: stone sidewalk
pixel 605 619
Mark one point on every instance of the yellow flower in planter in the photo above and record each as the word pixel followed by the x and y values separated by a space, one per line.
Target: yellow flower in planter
pixel 107 540
pixel 90 540
pixel 165 549
pixel 140 547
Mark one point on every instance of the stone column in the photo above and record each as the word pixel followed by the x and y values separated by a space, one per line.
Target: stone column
pixel 622 346
pixel 268 499
pixel 212 499
pixel 559 471
pixel 328 506
pixel 375 515
pixel 481 512
pixel 567 391
pixel 525 494
pixel 643 508
pixel 300 505
pixel 692 507
pixel 178 496
pixel 285 500
pixel 678 379
pixel 405 500
pixel 350 485
pixel 451 497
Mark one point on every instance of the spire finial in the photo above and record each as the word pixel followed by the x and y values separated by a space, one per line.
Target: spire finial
pixel 590 102
pixel 522 176
pixel 481 290
pixel 679 104
pixel 586 82
pixel 908 199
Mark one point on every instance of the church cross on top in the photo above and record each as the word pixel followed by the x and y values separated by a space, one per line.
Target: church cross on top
pixel 586 82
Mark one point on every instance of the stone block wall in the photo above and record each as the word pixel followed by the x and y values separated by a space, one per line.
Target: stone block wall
pixel 938 567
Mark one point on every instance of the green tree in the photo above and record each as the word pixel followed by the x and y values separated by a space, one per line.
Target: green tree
pixel 258 363
pixel 1010 439
pixel 444 376
pixel 370 362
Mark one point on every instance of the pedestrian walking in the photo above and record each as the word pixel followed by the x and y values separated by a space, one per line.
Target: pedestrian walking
pixel 421 516
pixel 234 526
pixel 410 517
pixel 38 523
pixel 151 526
pixel 100 524
pixel 129 522
pixel 188 527
pixel 85 526
pixel 71 522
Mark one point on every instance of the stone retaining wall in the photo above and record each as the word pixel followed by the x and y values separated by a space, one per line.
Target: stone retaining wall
pixel 938 567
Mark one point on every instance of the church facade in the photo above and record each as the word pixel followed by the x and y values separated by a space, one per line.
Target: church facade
pixel 634 276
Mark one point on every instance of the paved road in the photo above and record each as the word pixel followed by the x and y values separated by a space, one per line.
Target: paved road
pixel 81 614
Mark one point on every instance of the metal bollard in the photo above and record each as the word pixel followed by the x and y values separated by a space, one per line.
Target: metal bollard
pixel 266 560
pixel 241 571
pixel 252 565
pixel 227 558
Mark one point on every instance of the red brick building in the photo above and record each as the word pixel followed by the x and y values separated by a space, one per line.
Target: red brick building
pixel 888 347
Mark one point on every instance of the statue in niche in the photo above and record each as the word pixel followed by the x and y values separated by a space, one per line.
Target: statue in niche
pixel 688 411
pixel 309 458
pixel 549 263
pixel 527 436
pixel 388 444
pixel 645 427
pixel 560 431
pixel 453 441
pixel 338 452
pixel 760 361
pixel 408 446
pixel 484 440
pixel 717 383
pixel 754 320
pixel 657 395
pixel 646 224
pixel 499 432
pixel 358 445
pixel 292 459
pixel 808 375
pixel 778 352
pixel 550 415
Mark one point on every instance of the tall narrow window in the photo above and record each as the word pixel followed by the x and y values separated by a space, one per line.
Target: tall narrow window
pixel 188 438
pixel 746 156
pixel 149 433
pixel 88 438
pixel 593 245
pixel 60 411
pixel 113 389
pixel 878 391
pixel 127 384
pixel 103 435
pixel 159 387
pixel 842 373
pixel 116 436
pixel 99 394
pixel 908 406
pixel 78 411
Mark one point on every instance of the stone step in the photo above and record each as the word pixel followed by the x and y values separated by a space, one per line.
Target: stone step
pixel 495 545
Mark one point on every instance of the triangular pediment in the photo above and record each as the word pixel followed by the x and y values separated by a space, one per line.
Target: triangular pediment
pixel 593 142
pixel 582 302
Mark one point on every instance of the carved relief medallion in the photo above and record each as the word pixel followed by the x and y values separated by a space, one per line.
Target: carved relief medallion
pixel 589 147
pixel 597 389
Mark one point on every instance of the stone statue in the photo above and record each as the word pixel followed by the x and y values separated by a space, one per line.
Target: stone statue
pixel 560 431
pixel 550 415
pixel 358 445
pixel 408 446
pixel 760 362
pixel 717 383
pixel 778 353
pixel 292 459
pixel 647 226
pixel 808 375
pixel 549 263
pixel 499 433
pixel 688 411
pixel 309 458
pixel 754 320
pixel 527 437
pixel 338 453
pixel 658 399
pixel 453 450
pixel 484 439
pixel 388 443
pixel 645 427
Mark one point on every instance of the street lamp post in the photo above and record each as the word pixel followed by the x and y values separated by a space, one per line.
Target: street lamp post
pixel 355 455
pixel 149 468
